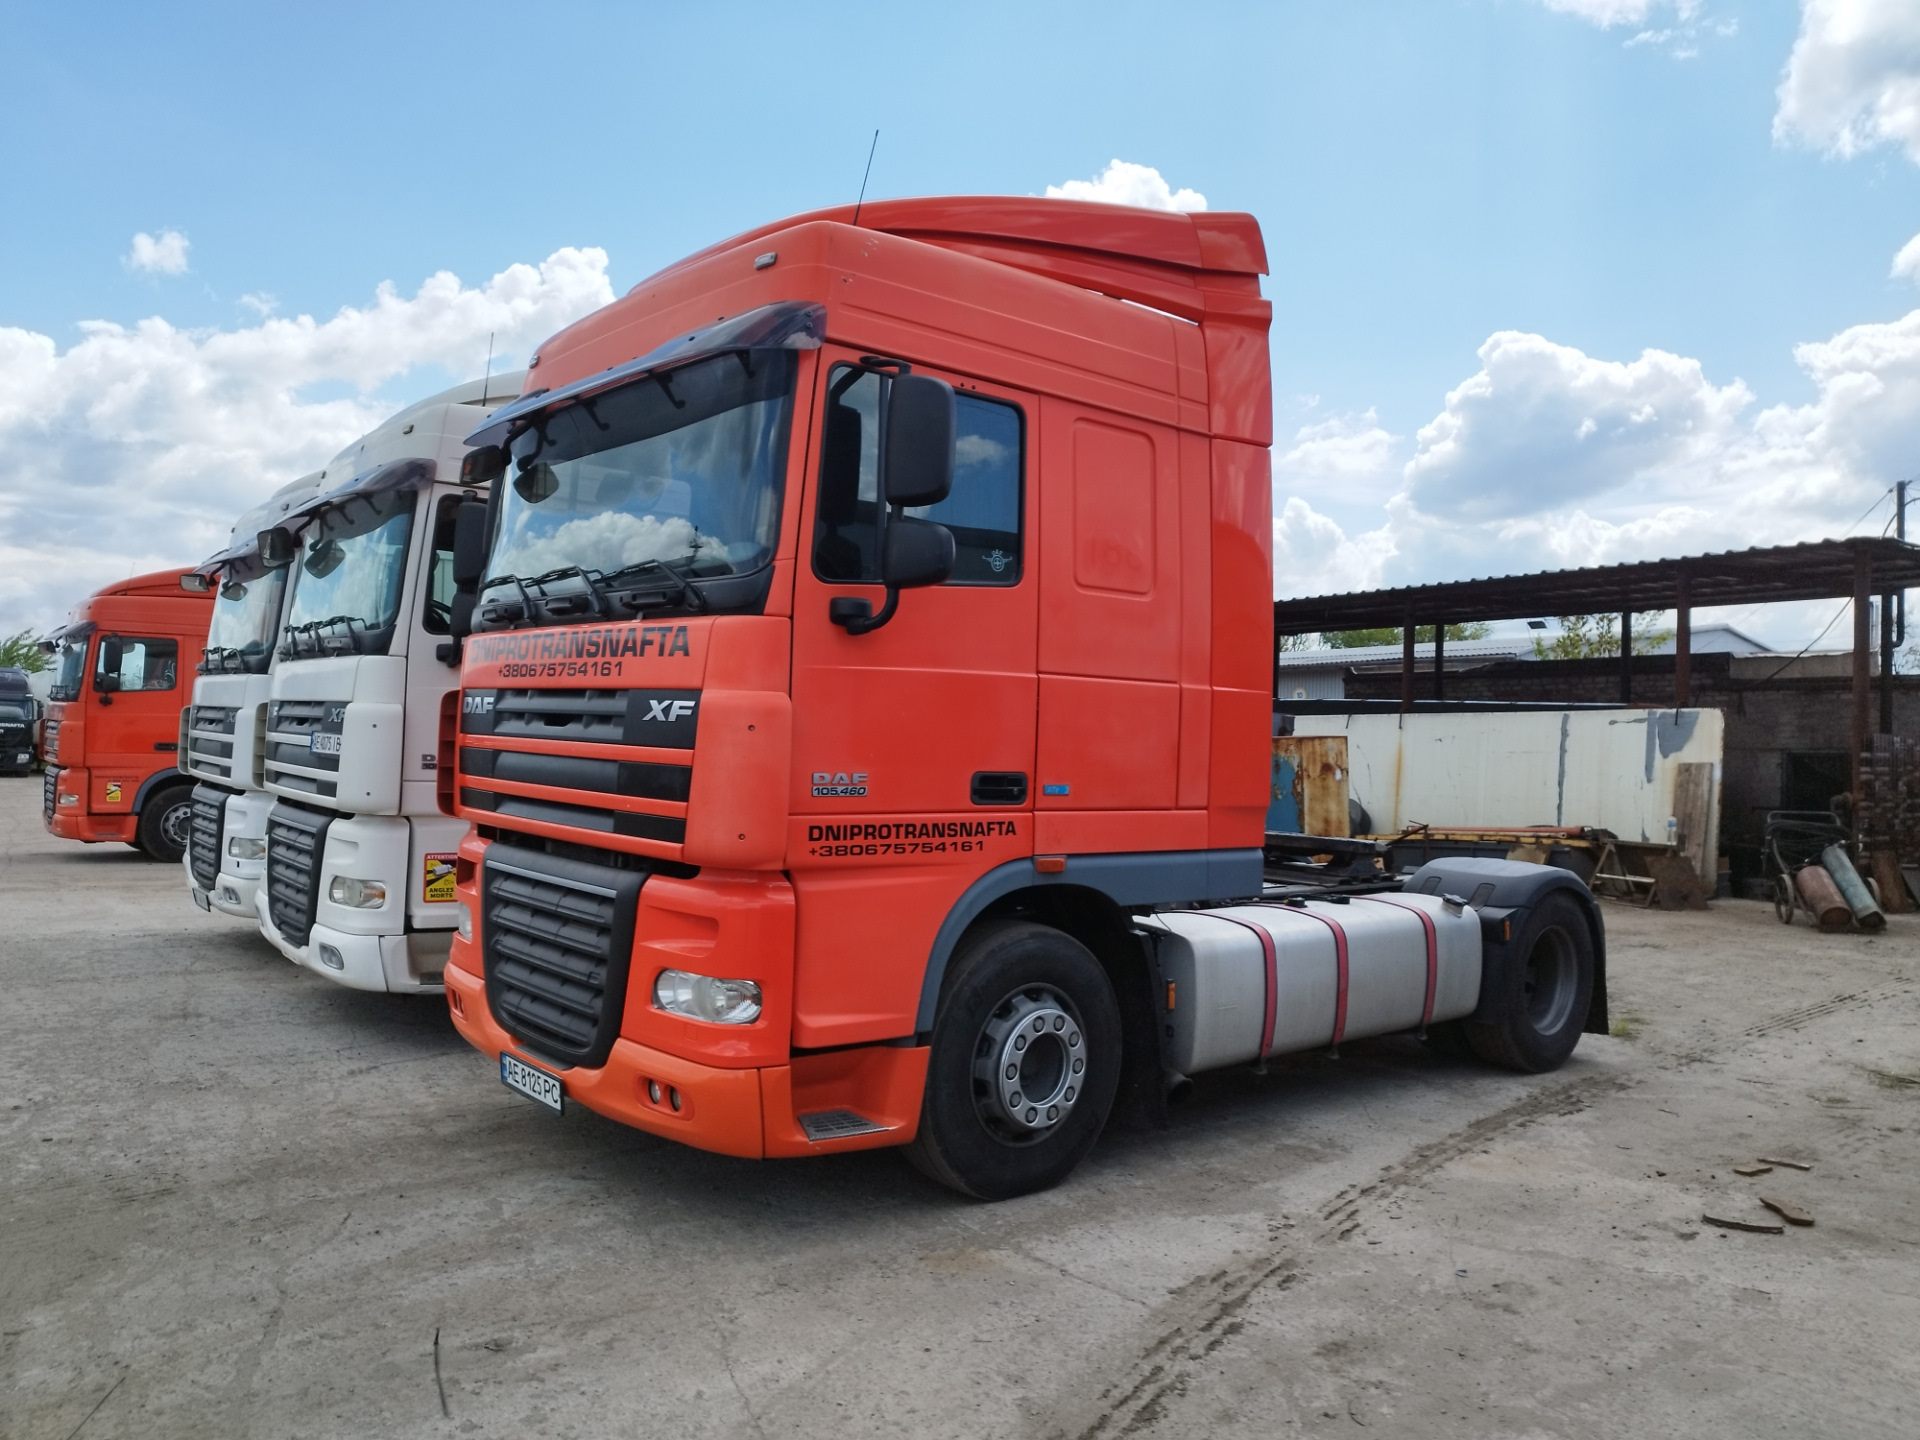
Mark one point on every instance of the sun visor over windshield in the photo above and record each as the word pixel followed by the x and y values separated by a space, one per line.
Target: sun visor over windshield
pixel 783 325
pixel 394 475
pixel 68 633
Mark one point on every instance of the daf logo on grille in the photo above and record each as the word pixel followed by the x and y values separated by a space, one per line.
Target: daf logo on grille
pixel 670 710
pixel 476 704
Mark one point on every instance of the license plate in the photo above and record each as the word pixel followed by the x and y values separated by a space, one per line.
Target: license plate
pixel 323 742
pixel 536 1085
pixel 200 899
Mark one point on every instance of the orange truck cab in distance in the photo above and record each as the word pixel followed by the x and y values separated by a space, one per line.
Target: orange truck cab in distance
pixel 113 718
pixel 704 783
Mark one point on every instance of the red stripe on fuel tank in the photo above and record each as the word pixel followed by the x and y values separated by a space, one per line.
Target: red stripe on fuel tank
pixel 1273 980
pixel 1340 962
pixel 1433 950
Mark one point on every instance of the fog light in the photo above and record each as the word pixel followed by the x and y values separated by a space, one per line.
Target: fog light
pixel 466 919
pixel 357 894
pixel 701 997
pixel 229 896
pixel 246 847
pixel 332 958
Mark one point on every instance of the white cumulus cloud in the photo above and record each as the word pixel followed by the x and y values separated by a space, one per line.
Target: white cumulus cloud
pixel 1549 458
pixel 138 446
pixel 166 255
pixel 1853 80
pixel 1608 13
pixel 1906 264
pixel 1124 183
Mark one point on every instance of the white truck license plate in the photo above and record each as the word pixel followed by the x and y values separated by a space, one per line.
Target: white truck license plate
pixel 323 742
pixel 536 1085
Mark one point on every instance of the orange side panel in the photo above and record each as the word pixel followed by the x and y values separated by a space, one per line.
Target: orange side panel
pixel 1241 778
pixel 881 1083
pixel 1242 571
pixel 1115 744
pixel 737 810
pixel 737 925
pixel 1103 832
pixel 1238 369
pixel 1196 619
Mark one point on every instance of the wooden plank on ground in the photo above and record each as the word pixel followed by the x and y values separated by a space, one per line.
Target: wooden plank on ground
pixel 1693 808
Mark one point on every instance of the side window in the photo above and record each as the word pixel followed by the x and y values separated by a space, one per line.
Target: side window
pixel 142 664
pixel 438 609
pixel 983 511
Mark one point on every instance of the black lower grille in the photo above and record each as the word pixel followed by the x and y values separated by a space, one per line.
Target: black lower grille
pixel 208 833
pixel 557 936
pixel 49 791
pixel 296 842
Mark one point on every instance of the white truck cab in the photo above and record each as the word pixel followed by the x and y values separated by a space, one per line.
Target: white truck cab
pixel 359 881
pixel 223 732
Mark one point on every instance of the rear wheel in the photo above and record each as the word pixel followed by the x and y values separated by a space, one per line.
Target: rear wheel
pixel 1025 1063
pixel 1539 1018
pixel 166 823
pixel 1783 899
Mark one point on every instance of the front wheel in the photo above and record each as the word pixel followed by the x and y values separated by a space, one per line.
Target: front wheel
pixel 1025 1064
pixel 1783 899
pixel 166 824
pixel 1543 1010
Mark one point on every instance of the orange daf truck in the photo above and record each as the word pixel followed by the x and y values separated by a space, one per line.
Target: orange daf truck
pixel 113 721
pixel 865 707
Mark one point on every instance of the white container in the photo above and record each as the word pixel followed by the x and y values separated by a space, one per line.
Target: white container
pixel 1217 963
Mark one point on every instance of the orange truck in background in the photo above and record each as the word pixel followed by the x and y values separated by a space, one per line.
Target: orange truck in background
pixel 865 708
pixel 113 718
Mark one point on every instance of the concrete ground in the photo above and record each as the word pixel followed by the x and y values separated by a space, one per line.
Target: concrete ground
pixel 238 1201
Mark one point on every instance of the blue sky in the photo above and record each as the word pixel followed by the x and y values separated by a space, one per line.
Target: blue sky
pixel 1429 175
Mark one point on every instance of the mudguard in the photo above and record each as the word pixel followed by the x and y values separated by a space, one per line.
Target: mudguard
pixel 1503 892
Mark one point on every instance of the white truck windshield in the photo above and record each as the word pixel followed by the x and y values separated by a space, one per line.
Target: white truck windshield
pixel 245 614
pixel 347 580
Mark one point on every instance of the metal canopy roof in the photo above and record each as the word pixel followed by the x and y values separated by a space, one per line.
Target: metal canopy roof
pixel 1819 570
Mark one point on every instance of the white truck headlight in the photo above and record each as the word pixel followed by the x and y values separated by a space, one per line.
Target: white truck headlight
pixel 466 919
pixel 357 894
pixel 701 997
pixel 246 847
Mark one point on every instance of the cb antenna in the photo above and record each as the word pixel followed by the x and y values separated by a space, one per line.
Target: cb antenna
pixel 486 384
pixel 863 179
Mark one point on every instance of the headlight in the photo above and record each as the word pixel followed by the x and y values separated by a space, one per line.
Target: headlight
pixel 701 997
pixel 466 919
pixel 69 799
pixel 357 894
pixel 246 847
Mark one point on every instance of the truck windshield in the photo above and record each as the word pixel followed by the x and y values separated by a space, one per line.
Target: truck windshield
pixel 631 499
pixel 346 583
pixel 245 614
pixel 71 669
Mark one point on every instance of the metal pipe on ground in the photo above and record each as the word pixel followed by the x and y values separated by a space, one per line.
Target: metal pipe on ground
pixel 1823 897
pixel 1866 914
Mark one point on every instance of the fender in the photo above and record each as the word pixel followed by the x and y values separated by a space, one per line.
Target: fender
pixel 1503 892
pixel 1154 877
pixel 153 782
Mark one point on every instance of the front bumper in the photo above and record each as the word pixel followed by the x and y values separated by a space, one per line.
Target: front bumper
pixel 752 1113
pixel 382 963
pixel 75 821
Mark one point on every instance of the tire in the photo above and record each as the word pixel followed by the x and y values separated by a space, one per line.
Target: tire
pixel 1783 899
pixel 1029 999
pixel 1541 1015
pixel 166 822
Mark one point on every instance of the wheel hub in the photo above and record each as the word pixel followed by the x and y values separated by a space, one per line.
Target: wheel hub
pixel 177 825
pixel 1030 1064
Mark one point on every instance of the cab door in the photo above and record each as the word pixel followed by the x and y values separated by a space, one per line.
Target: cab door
pixel 134 726
pixel 913 751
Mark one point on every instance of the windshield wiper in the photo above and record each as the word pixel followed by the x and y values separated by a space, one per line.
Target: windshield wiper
pixel 689 595
pixel 222 656
pixel 311 630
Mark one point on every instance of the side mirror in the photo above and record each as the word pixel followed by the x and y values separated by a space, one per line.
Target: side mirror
pixel 920 425
pixel 470 544
pixel 483 466
pixel 916 552
pixel 195 583
pixel 277 547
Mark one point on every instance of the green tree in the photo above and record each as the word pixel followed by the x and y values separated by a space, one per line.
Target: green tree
pixel 1390 635
pixel 1594 637
pixel 22 650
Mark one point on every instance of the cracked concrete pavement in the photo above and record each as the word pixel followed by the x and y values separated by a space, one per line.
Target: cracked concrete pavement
pixel 236 1200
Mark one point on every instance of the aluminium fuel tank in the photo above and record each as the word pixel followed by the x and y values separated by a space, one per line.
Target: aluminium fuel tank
pixel 1252 980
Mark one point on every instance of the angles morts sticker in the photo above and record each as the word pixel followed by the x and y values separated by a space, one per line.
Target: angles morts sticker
pixel 436 883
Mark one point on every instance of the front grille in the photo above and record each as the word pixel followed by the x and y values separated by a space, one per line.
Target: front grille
pixel 50 741
pixel 296 841
pixel 664 719
pixel 557 937
pixel 206 752
pixel 208 833
pixel 49 791
pixel 289 753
